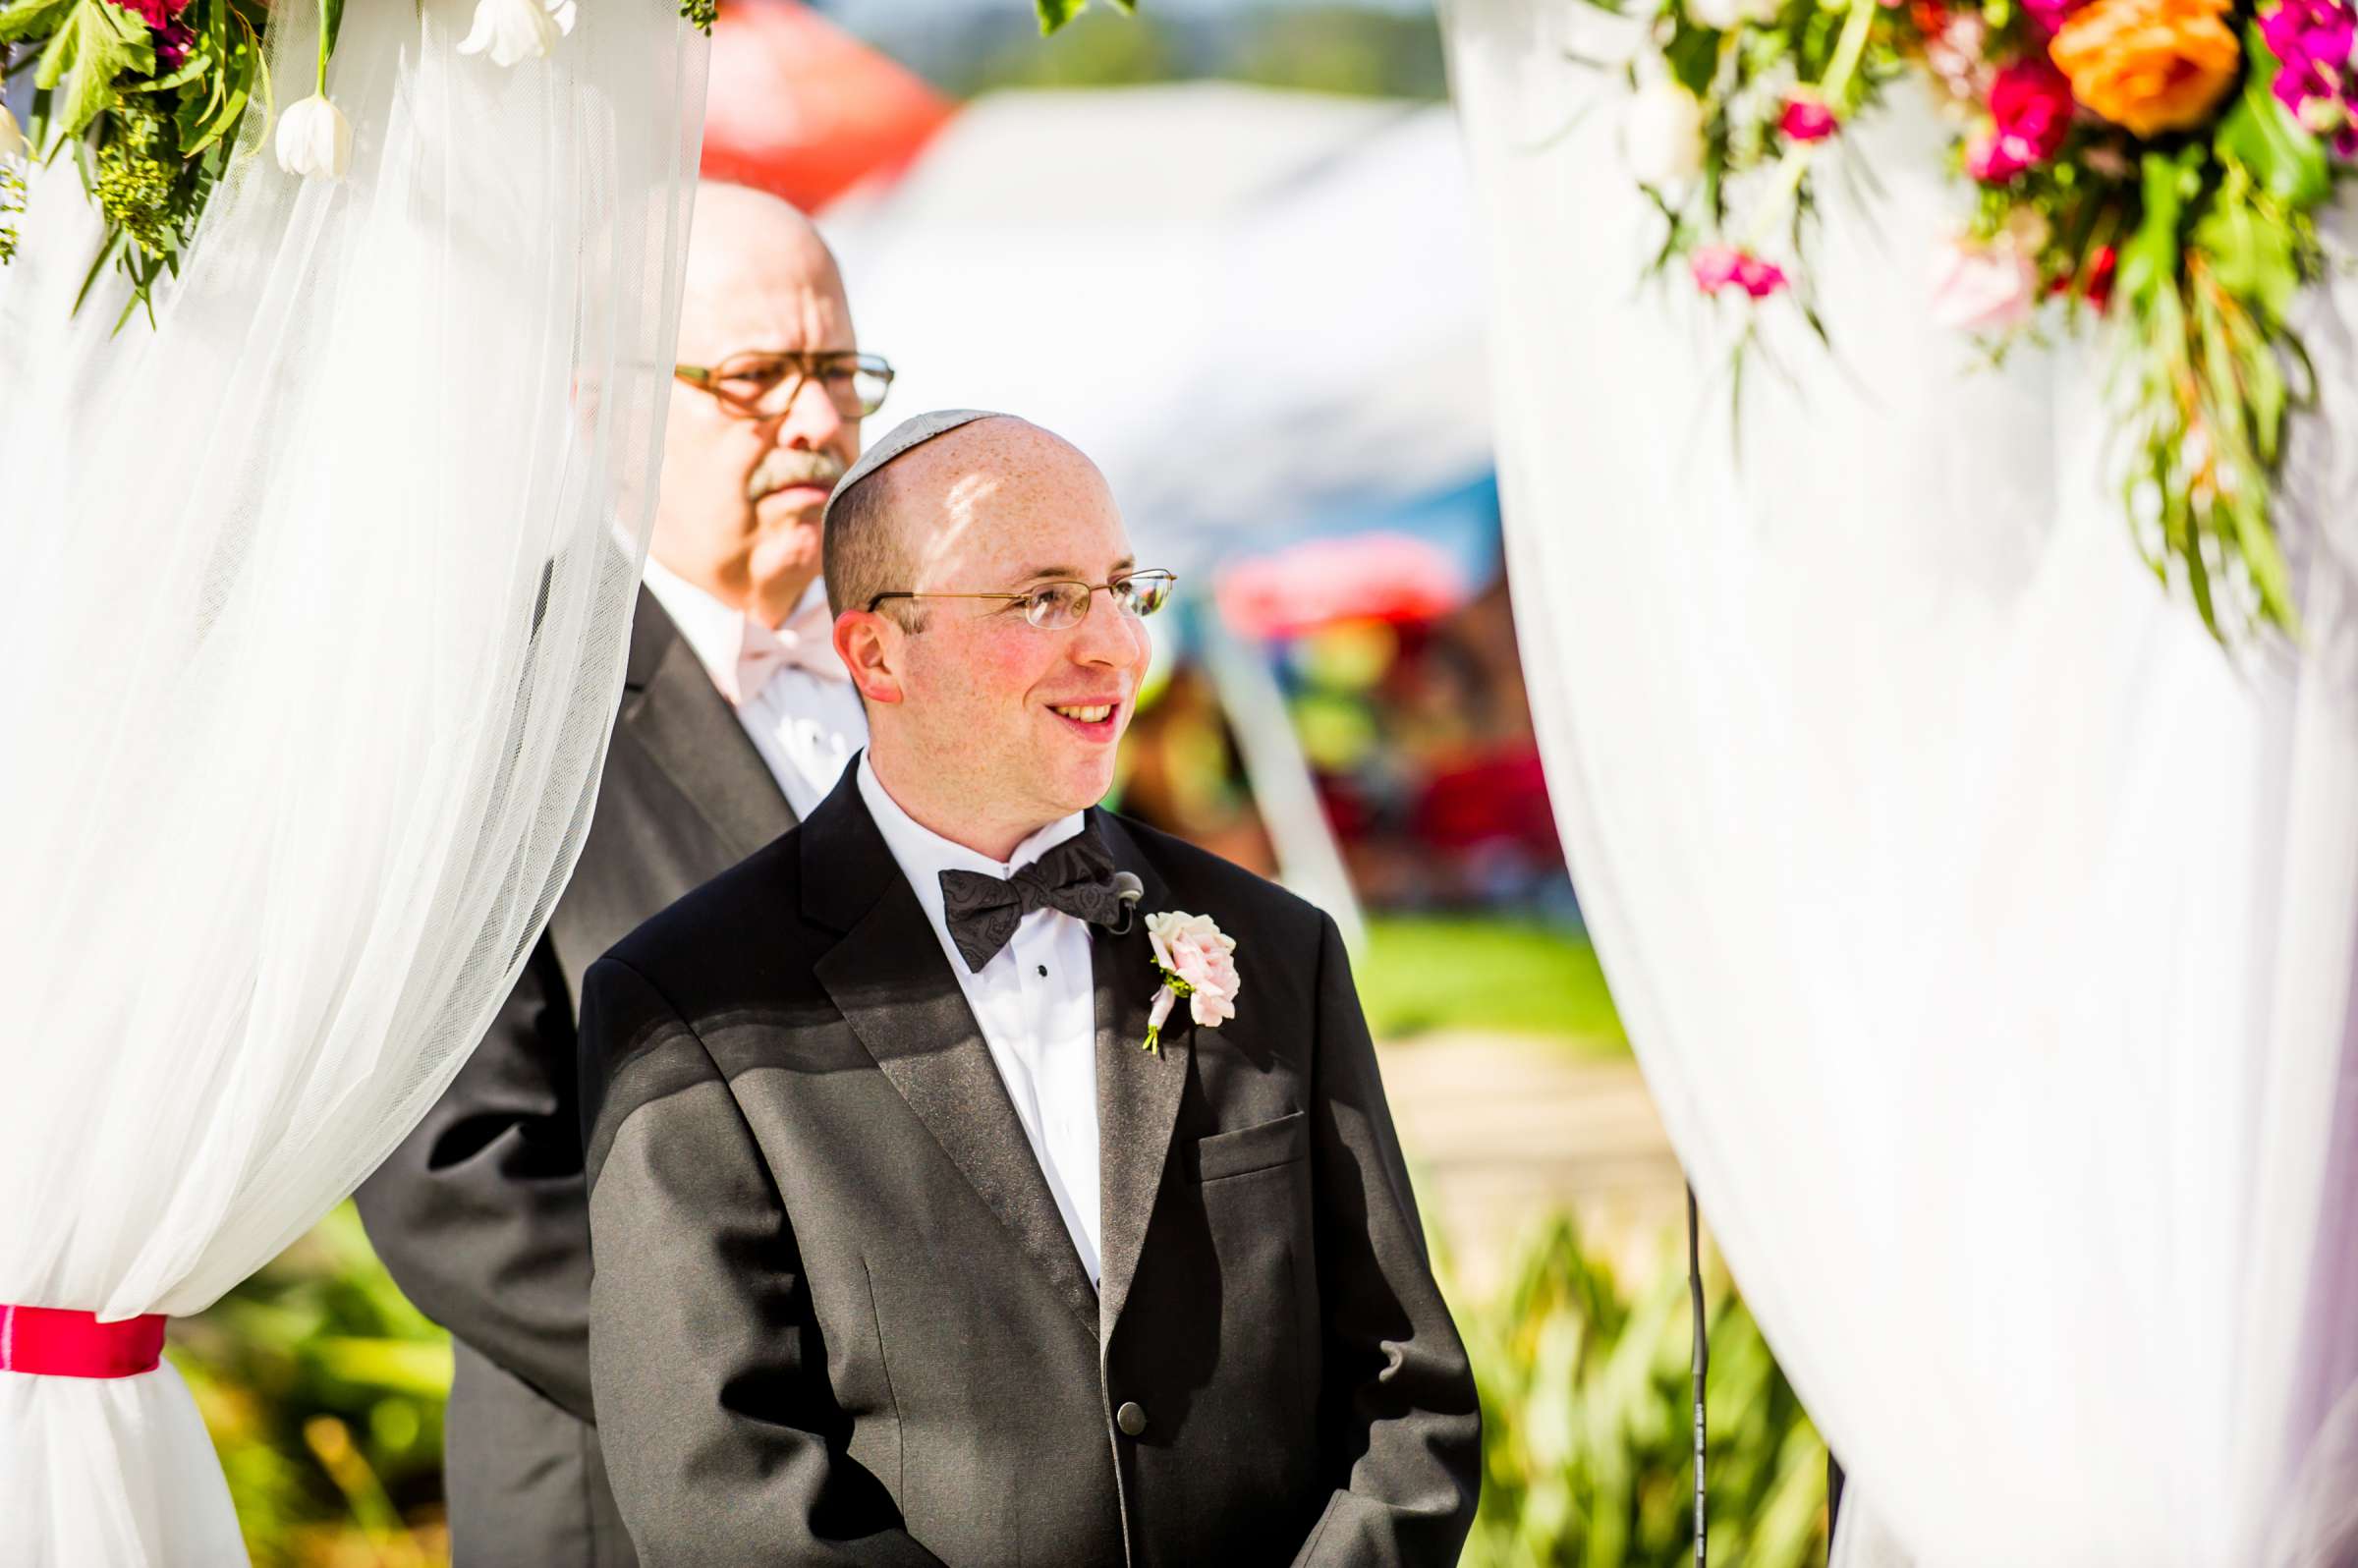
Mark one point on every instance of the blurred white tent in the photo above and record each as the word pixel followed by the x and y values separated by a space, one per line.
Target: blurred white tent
pixel 1254 309
pixel 1251 306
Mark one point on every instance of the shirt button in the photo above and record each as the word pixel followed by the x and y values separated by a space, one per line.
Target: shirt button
pixel 1131 1419
pixel 1044 972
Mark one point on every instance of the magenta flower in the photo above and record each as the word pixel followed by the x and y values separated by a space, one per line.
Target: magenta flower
pixel 1806 118
pixel 2048 15
pixel 2030 114
pixel 2312 40
pixel 172 37
pixel 172 45
pixel 1720 266
pixel 157 13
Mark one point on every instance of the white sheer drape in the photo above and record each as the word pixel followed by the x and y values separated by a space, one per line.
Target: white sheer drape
pixel 314 616
pixel 1986 935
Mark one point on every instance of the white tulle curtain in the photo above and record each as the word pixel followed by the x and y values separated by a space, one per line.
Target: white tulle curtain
pixel 314 608
pixel 1985 933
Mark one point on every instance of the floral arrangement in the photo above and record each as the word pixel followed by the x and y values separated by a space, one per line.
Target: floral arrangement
pixel 2153 165
pixel 149 96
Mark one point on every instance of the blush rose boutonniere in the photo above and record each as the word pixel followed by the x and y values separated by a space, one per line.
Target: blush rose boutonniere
pixel 1196 961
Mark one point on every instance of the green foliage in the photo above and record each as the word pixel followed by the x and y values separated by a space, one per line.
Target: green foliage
pixel 323 1390
pixel 1342 49
pixel 151 143
pixel 96 43
pixel 1422 973
pixel 1587 1423
pixel 1100 50
pixel 1316 47
pixel 12 202
pixel 1055 13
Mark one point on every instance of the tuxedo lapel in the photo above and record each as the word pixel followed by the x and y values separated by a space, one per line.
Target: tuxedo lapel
pixel 892 984
pixel 1137 1094
pixel 680 719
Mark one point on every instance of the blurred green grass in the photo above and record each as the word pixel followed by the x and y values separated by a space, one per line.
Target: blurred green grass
pixel 1422 973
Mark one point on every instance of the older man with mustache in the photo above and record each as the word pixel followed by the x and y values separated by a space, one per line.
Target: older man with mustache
pixel 737 719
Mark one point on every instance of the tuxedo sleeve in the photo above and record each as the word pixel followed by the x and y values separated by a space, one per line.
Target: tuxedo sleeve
pixel 480 1214
pixel 1398 1399
pixel 723 1442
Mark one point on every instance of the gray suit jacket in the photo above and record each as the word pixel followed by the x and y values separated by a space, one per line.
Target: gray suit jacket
pixel 837 1318
pixel 481 1215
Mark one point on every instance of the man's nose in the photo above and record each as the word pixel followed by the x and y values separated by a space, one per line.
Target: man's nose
pixel 1109 635
pixel 810 418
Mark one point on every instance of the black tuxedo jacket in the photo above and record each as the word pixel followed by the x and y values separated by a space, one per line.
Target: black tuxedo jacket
pixel 836 1317
pixel 481 1215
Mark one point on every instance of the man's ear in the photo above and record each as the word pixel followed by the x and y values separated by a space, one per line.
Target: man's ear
pixel 870 645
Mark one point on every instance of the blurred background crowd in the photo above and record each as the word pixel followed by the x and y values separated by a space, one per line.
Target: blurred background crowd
pixel 1225 247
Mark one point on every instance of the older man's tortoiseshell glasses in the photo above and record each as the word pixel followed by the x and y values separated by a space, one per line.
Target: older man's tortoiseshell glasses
pixel 747 385
pixel 1054 606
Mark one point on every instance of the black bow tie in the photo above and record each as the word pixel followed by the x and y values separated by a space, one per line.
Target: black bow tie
pixel 983 911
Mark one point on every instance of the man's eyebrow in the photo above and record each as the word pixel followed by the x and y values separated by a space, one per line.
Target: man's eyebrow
pixel 1073 574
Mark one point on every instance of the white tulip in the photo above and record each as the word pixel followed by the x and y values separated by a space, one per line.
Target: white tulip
pixel 518 29
pixel 315 140
pixel 11 137
pixel 1664 134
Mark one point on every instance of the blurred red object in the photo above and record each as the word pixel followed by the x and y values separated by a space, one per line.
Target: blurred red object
pixel 1499 798
pixel 1363 576
pixel 800 108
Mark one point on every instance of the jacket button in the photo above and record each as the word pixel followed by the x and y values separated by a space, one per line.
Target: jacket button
pixel 1130 1419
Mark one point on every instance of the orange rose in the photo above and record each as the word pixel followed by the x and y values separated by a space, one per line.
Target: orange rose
pixel 2149 64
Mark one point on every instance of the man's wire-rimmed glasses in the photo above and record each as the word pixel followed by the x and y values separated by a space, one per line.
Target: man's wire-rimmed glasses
pixel 1054 606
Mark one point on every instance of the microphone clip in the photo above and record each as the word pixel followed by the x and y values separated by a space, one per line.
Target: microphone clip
pixel 1129 889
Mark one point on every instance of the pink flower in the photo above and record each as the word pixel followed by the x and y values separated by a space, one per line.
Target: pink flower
pixel 1977 288
pixel 1806 118
pixel 1758 278
pixel 1716 266
pixel 2029 112
pixel 1193 948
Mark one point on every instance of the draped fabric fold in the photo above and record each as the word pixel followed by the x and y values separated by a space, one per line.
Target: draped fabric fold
pixel 318 596
pixel 1985 933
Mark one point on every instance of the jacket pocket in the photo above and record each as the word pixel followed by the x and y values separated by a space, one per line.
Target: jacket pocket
pixel 1247 1149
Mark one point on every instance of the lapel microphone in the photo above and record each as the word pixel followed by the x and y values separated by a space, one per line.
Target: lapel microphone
pixel 1129 889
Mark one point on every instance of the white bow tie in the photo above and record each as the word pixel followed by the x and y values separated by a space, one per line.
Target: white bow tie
pixel 804 642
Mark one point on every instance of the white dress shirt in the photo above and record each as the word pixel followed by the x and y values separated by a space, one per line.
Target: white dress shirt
pixel 1036 1002
pixel 805 724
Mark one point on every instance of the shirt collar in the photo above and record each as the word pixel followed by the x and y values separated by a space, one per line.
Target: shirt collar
pixel 715 634
pixel 922 855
